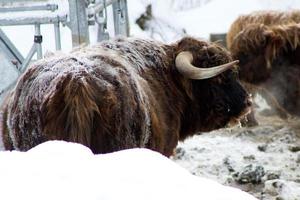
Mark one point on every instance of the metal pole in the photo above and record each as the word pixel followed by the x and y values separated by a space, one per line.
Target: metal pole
pixel 57 36
pixel 50 7
pixel 10 49
pixel 78 22
pixel 31 20
pixel 28 58
pixel 99 7
pixel 121 17
pixel 102 32
pixel 38 41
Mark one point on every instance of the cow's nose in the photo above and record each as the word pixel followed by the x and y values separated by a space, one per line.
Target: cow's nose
pixel 249 100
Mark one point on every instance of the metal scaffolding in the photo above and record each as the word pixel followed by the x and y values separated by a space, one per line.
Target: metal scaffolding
pixel 81 15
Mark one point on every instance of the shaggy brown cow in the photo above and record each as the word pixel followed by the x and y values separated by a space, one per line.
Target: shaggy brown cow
pixel 123 94
pixel 268 47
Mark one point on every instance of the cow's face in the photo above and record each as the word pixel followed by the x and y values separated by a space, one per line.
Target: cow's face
pixel 220 99
pixel 256 47
pixel 253 67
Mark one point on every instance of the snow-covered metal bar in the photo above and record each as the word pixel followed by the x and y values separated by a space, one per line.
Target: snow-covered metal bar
pixel 120 14
pixel 57 36
pixel 99 7
pixel 10 50
pixel 50 7
pixel 32 20
pixel 78 22
pixel 38 41
pixel 101 20
pixel 28 58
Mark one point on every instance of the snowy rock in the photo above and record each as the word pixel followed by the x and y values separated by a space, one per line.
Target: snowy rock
pixel 179 153
pixel 262 147
pixel 294 148
pixel 271 175
pixel 250 174
pixel 228 163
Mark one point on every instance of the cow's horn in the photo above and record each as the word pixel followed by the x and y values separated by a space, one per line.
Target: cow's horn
pixel 184 65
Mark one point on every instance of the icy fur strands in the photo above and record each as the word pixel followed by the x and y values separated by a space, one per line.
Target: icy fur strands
pixel 125 93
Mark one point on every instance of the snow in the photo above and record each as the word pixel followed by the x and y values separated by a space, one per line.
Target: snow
pixel 198 18
pixel 222 154
pixel 61 170
pixel 213 145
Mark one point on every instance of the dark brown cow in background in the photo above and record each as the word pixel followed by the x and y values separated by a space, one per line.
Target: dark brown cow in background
pixel 267 43
pixel 123 94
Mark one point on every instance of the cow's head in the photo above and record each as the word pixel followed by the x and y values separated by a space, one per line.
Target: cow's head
pixel 217 96
pixel 259 48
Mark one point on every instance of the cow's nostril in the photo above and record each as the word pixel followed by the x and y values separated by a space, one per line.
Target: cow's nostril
pixel 249 101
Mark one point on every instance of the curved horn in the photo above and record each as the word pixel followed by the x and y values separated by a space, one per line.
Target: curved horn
pixel 184 65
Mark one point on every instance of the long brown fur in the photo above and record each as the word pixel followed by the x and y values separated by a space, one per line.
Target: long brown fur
pixel 121 94
pixel 267 18
pixel 275 38
pixel 267 43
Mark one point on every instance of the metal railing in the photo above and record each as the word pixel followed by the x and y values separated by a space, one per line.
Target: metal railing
pixel 81 15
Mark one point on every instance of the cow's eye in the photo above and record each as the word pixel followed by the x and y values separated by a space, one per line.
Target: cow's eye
pixel 219 108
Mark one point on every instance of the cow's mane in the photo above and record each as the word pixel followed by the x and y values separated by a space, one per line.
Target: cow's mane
pixel 268 18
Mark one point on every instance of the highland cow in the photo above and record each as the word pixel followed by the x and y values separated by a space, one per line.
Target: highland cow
pixel 268 47
pixel 125 93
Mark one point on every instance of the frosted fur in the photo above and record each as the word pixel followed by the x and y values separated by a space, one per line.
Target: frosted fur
pixel 121 94
pixel 134 56
pixel 131 52
pixel 57 66
pixel 11 133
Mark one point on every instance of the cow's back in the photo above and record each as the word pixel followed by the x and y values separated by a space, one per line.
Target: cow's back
pixel 98 96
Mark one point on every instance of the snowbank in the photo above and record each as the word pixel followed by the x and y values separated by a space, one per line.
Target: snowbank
pixel 61 170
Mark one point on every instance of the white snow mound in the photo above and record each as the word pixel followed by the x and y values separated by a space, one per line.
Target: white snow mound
pixel 61 170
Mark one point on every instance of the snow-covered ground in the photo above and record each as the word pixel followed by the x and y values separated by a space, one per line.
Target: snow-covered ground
pixel 61 170
pixel 263 160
